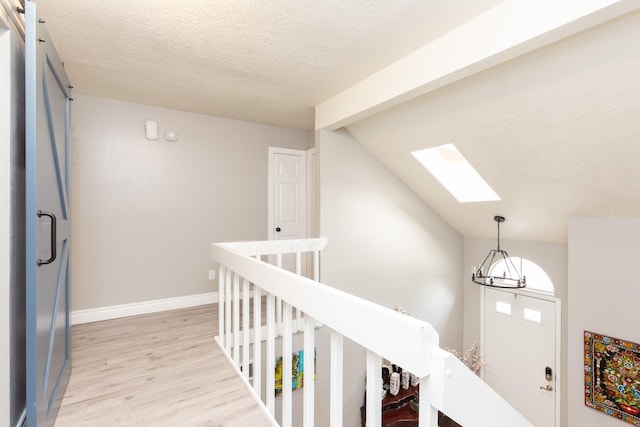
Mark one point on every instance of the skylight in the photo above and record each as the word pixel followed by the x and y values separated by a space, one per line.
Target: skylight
pixel 456 174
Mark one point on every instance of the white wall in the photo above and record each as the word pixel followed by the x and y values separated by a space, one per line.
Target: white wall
pixel 603 298
pixel 5 203
pixel 144 212
pixel 552 257
pixel 385 245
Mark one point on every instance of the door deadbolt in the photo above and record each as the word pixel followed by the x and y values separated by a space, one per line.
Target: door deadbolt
pixel 548 373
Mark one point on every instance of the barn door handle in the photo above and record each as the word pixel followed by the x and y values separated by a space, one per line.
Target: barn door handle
pixel 54 242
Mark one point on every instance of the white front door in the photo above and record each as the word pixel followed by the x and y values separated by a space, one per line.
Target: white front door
pixel 520 352
pixel 287 193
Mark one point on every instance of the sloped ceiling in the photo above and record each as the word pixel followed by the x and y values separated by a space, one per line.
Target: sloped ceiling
pixel 555 132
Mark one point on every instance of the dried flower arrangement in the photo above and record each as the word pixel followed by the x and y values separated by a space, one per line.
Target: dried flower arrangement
pixel 400 310
pixel 471 357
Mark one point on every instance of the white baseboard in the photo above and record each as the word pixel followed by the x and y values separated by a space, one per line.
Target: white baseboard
pixel 145 307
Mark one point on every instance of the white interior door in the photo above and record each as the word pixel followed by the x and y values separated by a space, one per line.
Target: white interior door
pixel 520 354
pixel 287 193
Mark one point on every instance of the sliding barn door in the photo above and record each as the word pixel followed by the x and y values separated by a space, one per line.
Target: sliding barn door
pixel 47 91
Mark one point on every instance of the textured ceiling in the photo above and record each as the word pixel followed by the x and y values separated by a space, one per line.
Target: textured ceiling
pixel 263 61
pixel 555 132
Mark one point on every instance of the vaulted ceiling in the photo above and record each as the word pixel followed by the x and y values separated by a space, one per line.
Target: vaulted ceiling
pixel 553 127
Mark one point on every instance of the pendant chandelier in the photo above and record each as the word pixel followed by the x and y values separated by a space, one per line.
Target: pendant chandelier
pixel 509 277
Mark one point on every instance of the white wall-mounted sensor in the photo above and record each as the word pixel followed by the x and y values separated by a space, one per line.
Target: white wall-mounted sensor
pixel 171 135
pixel 151 129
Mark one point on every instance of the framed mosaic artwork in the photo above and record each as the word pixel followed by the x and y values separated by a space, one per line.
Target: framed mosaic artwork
pixel 612 376
pixel 297 374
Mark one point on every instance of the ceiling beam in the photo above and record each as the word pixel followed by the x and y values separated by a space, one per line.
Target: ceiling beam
pixel 509 30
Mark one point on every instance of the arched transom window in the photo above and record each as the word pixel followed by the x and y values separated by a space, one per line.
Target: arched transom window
pixel 537 279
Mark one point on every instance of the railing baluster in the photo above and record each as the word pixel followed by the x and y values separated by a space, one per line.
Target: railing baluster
pixel 236 319
pixel 221 297
pixel 257 340
pixel 271 354
pixel 309 370
pixel 278 299
pixel 316 266
pixel 257 336
pixel 298 262
pixel 299 273
pixel 427 414
pixel 227 312
pixel 374 389
pixel 246 299
pixel 335 387
pixel 287 352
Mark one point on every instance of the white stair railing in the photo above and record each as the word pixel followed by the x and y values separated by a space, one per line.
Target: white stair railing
pixel 445 383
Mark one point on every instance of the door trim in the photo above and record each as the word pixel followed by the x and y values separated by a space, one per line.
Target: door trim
pixel 311 193
pixel 558 338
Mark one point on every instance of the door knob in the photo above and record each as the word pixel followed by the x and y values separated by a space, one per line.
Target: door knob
pixel 278 229
pixel 547 388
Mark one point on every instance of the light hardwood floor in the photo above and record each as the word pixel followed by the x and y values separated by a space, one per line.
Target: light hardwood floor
pixel 161 369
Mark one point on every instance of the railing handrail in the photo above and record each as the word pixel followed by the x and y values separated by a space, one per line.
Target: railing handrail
pixel 456 391
pixel 446 384
pixel 395 336
pixel 274 247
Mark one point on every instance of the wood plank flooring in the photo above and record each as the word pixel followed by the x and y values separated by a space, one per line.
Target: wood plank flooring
pixel 162 369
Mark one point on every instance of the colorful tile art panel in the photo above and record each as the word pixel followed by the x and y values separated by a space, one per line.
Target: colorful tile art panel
pixel 297 374
pixel 612 376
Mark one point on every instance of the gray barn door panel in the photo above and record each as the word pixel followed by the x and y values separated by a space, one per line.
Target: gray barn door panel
pixel 47 92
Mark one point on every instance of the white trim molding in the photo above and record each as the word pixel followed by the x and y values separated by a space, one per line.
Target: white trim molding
pixel 143 307
pixel 510 29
